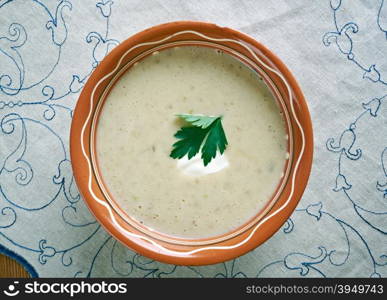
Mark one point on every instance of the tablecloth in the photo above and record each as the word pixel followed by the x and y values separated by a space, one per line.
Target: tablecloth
pixel 336 50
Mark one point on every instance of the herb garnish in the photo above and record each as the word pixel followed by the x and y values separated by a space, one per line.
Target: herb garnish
pixel 206 133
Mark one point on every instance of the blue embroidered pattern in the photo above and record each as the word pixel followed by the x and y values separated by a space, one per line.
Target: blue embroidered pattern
pixel 342 37
pixel 36 112
pixel 23 130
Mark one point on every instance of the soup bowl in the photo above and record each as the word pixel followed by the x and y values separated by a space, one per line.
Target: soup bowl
pixel 158 245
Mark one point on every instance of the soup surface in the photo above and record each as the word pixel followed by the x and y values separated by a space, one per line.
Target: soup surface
pixel 136 131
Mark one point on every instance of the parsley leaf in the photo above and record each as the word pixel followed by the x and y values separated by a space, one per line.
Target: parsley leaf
pixel 206 133
pixel 191 138
pixel 197 120
pixel 216 139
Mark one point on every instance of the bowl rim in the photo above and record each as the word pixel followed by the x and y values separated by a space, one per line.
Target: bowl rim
pixel 83 159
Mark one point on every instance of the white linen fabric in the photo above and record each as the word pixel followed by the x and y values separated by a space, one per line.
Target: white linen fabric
pixel 336 50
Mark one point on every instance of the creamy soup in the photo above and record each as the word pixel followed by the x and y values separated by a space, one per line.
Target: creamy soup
pixel 136 131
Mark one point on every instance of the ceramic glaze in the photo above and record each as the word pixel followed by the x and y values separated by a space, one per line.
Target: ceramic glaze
pixel 180 197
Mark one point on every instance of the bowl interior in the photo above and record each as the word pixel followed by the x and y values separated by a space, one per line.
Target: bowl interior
pixel 278 97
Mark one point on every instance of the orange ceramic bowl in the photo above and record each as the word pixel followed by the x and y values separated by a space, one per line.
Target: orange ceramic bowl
pixel 159 246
